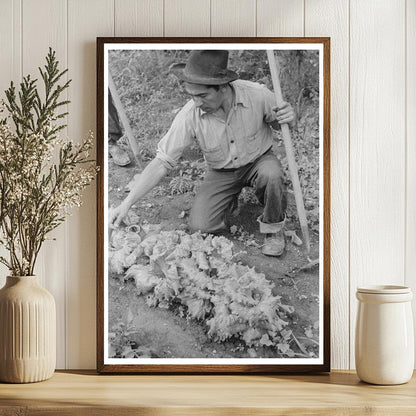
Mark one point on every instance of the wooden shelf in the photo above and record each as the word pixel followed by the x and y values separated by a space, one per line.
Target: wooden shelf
pixel 86 393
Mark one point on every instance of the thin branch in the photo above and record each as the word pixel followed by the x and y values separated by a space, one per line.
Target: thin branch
pixel 33 203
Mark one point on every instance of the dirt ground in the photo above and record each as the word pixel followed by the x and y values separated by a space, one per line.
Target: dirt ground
pixel 155 332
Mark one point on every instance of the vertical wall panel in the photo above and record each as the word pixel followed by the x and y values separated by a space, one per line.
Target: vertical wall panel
pixel 86 21
pixel 233 18
pixel 44 26
pixel 280 18
pixel 377 168
pixel 330 18
pixel 10 68
pixel 411 151
pixel 187 18
pixel 10 44
pixel 138 17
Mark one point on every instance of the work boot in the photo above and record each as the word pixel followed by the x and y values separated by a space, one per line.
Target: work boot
pixel 274 239
pixel 119 155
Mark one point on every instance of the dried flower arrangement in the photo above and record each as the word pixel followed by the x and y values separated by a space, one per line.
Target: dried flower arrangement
pixel 41 174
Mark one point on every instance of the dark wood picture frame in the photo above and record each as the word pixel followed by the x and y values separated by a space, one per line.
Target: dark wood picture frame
pixel 324 360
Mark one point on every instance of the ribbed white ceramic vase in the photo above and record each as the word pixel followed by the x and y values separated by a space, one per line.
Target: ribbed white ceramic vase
pixel 384 343
pixel 27 331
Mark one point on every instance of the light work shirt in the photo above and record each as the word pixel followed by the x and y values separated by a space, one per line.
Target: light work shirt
pixel 226 144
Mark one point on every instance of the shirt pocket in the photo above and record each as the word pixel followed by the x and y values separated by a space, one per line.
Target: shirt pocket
pixel 252 143
pixel 214 154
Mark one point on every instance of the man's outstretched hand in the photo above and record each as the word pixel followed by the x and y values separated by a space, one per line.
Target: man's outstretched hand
pixel 116 215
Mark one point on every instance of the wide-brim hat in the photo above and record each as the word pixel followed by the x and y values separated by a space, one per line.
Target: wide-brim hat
pixel 206 68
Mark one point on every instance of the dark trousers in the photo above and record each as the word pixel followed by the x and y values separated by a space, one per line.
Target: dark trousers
pixel 114 129
pixel 221 188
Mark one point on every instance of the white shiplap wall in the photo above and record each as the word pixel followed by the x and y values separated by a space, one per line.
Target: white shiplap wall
pixel 373 129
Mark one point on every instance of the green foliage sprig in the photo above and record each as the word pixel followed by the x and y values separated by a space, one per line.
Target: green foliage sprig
pixel 42 175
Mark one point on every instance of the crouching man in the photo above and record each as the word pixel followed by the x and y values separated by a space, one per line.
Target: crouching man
pixel 231 120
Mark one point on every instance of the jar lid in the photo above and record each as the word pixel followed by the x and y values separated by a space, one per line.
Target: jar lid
pixel 384 289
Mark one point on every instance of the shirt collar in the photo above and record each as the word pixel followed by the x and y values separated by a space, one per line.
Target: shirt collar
pixel 240 97
pixel 201 112
pixel 240 94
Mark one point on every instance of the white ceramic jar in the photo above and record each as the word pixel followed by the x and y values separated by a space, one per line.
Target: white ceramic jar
pixel 384 343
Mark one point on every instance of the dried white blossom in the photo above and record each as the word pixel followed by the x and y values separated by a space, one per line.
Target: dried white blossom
pixel 42 176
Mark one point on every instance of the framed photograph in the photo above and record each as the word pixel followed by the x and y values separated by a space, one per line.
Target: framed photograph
pixel 213 205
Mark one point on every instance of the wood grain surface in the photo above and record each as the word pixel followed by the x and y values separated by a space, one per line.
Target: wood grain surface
pixel 85 393
pixel 233 18
pixel 324 148
pixel 138 18
pixel 410 107
pixel 373 127
pixel 187 18
pixel 377 146
pixel 280 18
pixel 330 18
pixel 81 259
pixel 44 25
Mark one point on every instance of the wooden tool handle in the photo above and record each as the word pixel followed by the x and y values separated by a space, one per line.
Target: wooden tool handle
pixel 293 168
pixel 124 121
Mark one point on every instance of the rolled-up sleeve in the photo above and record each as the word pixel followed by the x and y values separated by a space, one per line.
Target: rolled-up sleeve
pixel 180 135
pixel 269 103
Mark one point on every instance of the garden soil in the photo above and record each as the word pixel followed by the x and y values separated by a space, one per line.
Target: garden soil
pixel 166 333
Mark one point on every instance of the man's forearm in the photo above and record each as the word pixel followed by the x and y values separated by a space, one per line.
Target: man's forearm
pixel 148 179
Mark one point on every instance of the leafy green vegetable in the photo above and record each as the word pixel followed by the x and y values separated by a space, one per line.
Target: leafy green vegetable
pixel 199 272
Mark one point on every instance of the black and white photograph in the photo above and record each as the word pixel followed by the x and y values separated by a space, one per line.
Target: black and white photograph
pixel 212 205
